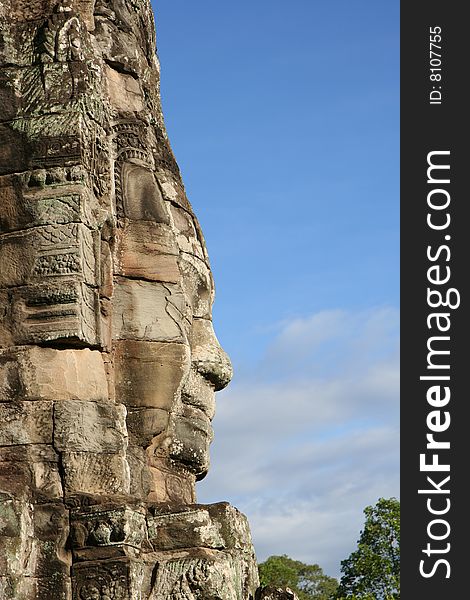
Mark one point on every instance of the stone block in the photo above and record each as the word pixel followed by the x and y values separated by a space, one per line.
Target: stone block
pixel 17 544
pixel 12 150
pixel 33 540
pixel 169 483
pixel 95 474
pixel 172 188
pixel 215 526
pixel 150 374
pixel 198 285
pixel 51 531
pixel 35 373
pixel 233 526
pixel 6 333
pixel 144 424
pixel 25 207
pixel 208 357
pixel 148 311
pixel 84 426
pixel 17 587
pixel 138 195
pixel 106 271
pixel 25 10
pixel 202 573
pixel 119 579
pixel 140 474
pixel 124 91
pixel 59 250
pixel 184 529
pixel 147 250
pixel 9 100
pixel 30 472
pixel 26 423
pixel 56 587
pixel 58 311
pixel 199 393
pixel 107 527
pixel 19 51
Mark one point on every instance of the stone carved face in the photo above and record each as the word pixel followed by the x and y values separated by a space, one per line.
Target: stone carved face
pixel 169 362
pixel 207 369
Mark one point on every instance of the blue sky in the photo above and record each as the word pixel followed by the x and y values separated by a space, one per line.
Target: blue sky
pixel 284 118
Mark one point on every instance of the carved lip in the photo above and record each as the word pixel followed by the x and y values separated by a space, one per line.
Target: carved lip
pixel 193 405
pixel 200 421
pixel 202 401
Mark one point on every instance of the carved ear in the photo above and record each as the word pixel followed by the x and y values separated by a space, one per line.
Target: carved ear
pixel 142 198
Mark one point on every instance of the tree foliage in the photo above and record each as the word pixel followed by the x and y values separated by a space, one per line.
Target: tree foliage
pixel 372 572
pixel 308 581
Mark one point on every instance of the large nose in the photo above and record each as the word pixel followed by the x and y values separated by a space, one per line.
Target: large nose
pixel 208 356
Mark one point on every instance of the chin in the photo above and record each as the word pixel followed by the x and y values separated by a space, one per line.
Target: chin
pixel 195 460
pixel 190 445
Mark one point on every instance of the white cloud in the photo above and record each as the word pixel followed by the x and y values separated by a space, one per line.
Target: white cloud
pixel 309 436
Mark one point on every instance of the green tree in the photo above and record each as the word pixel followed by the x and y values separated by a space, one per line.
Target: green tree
pixel 372 572
pixel 308 581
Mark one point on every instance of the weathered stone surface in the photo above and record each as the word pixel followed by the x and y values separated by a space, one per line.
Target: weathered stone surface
pixel 200 573
pixel 148 311
pixel 189 240
pixel 32 539
pixel 190 439
pixel 95 473
pixel 144 424
pixel 34 373
pixel 51 531
pixel 16 538
pixel 216 526
pixel 102 532
pixel 17 588
pixel 64 311
pixel 36 254
pixel 141 195
pixel 57 586
pixel 81 426
pixel 171 482
pixel 150 374
pixel 199 393
pixel 119 579
pixel 201 550
pixel 141 480
pixel 30 471
pixel 197 284
pixel 26 423
pixel 181 530
pixel 147 250
pixel 26 207
pixel 28 10
pixel 124 91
